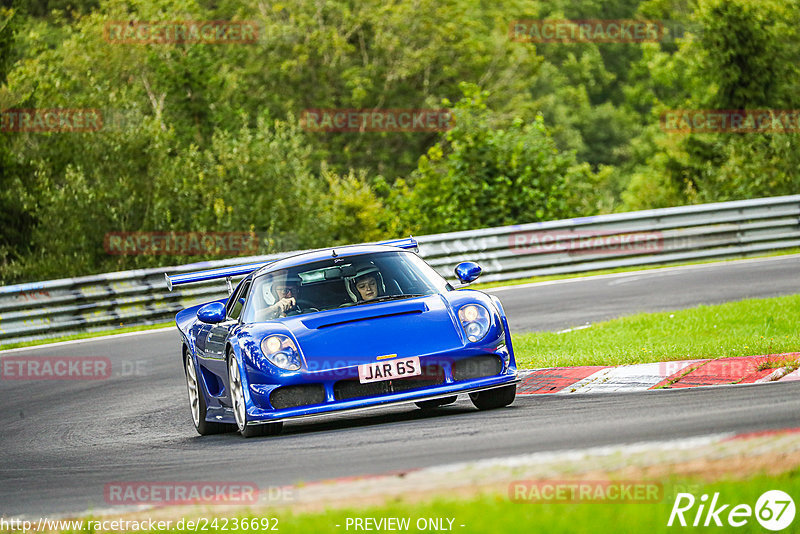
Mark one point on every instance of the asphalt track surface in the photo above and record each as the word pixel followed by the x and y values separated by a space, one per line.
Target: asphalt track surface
pixel 63 441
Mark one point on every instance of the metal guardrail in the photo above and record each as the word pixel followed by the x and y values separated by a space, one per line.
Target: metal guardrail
pixel 709 231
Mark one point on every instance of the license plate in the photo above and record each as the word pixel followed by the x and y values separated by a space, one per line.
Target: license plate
pixel 388 370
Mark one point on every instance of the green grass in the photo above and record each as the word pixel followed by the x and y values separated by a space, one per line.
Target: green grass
pixel 744 328
pixel 85 335
pixel 791 365
pixel 494 513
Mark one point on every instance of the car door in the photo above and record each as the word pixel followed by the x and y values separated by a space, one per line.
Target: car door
pixel 215 337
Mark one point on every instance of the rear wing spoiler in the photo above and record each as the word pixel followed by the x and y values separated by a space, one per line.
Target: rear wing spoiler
pixel 407 243
pixel 241 270
pixel 212 274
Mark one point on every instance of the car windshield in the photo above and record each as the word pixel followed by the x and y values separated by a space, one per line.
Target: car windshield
pixel 340 282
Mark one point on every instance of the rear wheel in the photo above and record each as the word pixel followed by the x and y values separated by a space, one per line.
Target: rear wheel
pixel 435 403
pixel 197 402
pixel 494 398
pixel 246 428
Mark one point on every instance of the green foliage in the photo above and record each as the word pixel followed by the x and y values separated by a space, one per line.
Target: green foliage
pixel 350 212
pixel 746 53
pixel 377 55
pixel 487 174
pixel 257 179
pixel 16 222
pixel 207 137
pixel 737 55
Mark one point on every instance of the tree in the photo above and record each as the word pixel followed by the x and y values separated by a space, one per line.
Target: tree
pixel 16 220
pixel 743 56
pixel 485 174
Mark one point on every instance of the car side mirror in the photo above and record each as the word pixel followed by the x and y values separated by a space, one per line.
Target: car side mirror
pixel 212 313
pixel 468 272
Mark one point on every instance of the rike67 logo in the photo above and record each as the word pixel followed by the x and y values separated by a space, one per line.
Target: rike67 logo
pixel 774 510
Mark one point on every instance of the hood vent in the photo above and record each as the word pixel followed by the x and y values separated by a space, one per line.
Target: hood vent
pixel 364 313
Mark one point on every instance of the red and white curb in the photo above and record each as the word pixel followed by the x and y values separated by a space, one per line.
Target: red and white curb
pixel 662 375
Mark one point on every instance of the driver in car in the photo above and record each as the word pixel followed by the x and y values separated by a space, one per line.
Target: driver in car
pixel 286 293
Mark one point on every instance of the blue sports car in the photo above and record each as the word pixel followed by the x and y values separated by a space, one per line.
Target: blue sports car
pixel 338 329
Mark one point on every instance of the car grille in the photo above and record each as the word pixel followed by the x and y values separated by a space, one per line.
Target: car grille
pixel 432 375
pixel 294 396
pixel 477 367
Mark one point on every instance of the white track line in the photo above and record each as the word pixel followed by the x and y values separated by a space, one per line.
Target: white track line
pixel 582 454
pixel 88 340
pixel 659 270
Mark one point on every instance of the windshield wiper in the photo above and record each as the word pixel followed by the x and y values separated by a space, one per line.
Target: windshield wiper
pixel 391 297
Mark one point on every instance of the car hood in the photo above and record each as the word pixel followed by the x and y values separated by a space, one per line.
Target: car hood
pixel 359 334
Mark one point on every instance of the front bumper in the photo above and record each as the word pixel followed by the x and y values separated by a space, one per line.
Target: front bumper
pixel 335 390
pixel 256 415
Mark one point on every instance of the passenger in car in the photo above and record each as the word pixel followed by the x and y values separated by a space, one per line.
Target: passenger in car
pixel 366 284
pixel 367 287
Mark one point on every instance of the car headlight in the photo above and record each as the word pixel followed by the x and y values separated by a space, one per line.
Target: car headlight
pixel 475 321
pixel 281 351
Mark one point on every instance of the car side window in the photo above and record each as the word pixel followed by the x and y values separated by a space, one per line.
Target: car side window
pixel 236 303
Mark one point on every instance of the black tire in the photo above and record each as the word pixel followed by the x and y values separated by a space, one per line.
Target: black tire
pixel 197 406
pixel 245 427
pixel 494 398
pixel 435 403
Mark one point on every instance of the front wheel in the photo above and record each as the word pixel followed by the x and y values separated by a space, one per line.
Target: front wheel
pixel 494 398
pixel 246 428
pixel 197 402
